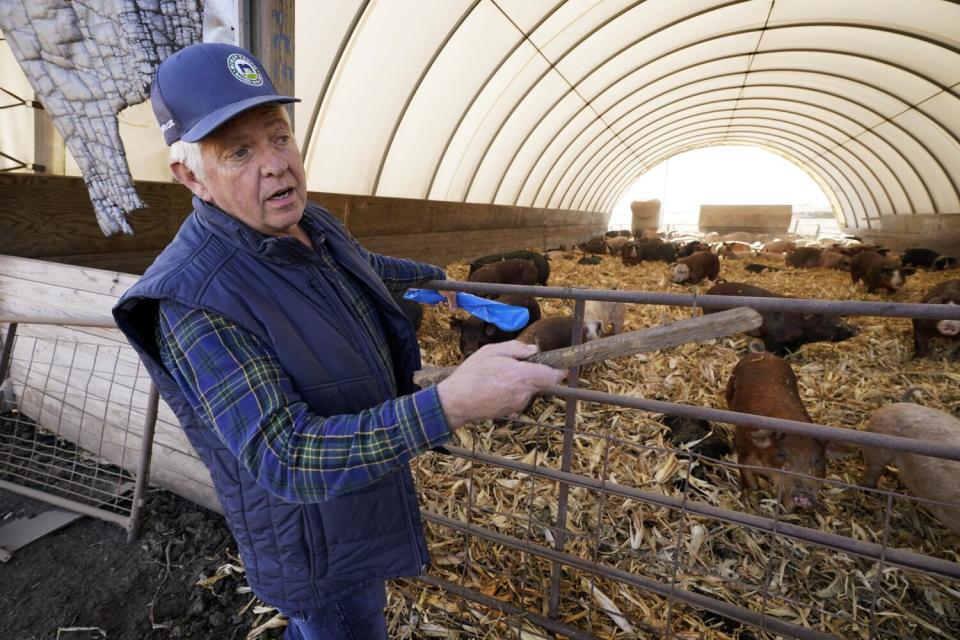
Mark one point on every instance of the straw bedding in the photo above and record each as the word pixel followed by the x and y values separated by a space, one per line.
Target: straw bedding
pixel 833 592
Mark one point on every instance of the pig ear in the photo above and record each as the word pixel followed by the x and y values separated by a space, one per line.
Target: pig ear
pixel 762 438
pixel 456 323
pixel 489 329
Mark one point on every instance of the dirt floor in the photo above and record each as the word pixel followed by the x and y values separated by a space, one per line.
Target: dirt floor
pixel 88 575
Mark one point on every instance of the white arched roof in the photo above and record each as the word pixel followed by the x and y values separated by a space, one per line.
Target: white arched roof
pixel 564 104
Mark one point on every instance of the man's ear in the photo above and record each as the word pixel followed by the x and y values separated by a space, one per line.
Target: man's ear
pixel 189 179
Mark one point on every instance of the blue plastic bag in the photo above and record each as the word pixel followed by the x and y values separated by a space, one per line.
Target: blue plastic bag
pixel 505 316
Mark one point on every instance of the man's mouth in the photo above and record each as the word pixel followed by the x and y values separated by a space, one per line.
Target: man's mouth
pixel 281 194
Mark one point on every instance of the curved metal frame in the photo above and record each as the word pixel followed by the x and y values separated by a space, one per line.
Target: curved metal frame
pixel 413 92
pixel 347 37
pixel 742 101
pixel 596 190
pixel 815 156
pixel 642 144
pixel 813 73
pixel 480 90
pixel 742 139
pixel 892 149
pixel 926 78
pixel 905 159
pixel 590 194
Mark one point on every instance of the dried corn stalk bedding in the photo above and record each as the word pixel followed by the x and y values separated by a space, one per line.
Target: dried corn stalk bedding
pixel 833 592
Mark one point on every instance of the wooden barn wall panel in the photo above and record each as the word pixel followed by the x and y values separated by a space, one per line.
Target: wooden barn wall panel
pixel 50 218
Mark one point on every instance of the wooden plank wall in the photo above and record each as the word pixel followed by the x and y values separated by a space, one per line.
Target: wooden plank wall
pixel 50 218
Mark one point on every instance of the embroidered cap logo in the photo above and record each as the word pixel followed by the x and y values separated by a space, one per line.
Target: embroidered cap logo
pixel 244 70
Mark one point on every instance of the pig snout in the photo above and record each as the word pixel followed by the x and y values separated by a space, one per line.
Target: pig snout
pixel 844 332
pixel 948 327
pixel 592 330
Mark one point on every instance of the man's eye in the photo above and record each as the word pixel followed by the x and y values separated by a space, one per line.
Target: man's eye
pixel 240 154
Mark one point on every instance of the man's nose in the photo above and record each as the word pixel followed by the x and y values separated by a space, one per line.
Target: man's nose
pixel 273 163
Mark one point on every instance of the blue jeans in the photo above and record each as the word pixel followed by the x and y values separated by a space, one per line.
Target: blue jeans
pixel 356 615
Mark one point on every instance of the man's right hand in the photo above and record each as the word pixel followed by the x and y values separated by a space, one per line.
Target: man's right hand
pixel 494 382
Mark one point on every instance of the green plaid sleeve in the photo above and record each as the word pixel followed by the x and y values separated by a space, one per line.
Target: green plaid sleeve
pixel 236 386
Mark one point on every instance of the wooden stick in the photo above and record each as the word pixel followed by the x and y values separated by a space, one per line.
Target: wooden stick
pixel 714 325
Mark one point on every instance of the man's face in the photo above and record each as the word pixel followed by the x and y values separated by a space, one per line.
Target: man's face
pixel 253 171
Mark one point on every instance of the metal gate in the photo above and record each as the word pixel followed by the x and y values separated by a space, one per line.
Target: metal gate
pixel 75 429
pixel 609 572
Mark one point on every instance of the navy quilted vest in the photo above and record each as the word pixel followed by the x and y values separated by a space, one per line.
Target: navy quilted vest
pixel 295 555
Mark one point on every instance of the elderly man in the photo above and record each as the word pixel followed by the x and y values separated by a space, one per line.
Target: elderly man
pixel 272 334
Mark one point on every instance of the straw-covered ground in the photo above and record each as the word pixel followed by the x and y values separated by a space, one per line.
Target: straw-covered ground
pixel 181 580
pixel 834 592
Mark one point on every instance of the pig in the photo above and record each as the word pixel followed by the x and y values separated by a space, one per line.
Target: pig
pixel 693 269
pixel 778 246
pixel 764 384
pixel 595 245
pixel 474 332
pixel 411 309
pixel 734 250
pixel 833 260
pixel 929 478
pixel 690 248
pixel 738 236
pixel 712 236
pixel 686 430
pixel 656 249
pixel 919 258
pixel 538 259
pixel 555 332
pixel 506 272
pixel 612 233
pixel 782 332
pixel 597 315
pixel 947 292
pixel 804 257
pixel 754 267
pixel 616 244
pixel 625 233
pixel 590 260
pixel 877 272
pixel 945 262
pixel 630 254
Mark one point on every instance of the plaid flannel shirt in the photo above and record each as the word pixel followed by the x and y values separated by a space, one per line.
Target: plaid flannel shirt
pixel 236 386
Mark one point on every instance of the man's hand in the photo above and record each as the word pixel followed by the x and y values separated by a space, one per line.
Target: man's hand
pixel 493 382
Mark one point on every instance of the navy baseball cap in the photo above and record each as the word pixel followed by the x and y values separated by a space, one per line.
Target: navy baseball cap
pixel 200 87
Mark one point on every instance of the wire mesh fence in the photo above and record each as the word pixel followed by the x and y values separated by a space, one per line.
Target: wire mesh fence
pixel 74 431
pixel 540 530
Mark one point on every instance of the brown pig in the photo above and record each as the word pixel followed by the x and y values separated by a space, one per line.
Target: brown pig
pixel 595 245
pixel 764 384
pixel 947 292
pixel 803 257
pixel 597 315
pixel 877 272
pixel 693 269
pixel 614 245
pixel 474 332
pixel 929 478
pixel 550 333
pixel 506 272
pixel 834 260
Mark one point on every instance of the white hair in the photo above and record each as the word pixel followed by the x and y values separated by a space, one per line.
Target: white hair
pixel 190 155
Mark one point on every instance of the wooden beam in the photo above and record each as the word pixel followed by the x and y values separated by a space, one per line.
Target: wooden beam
pixel 271 27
